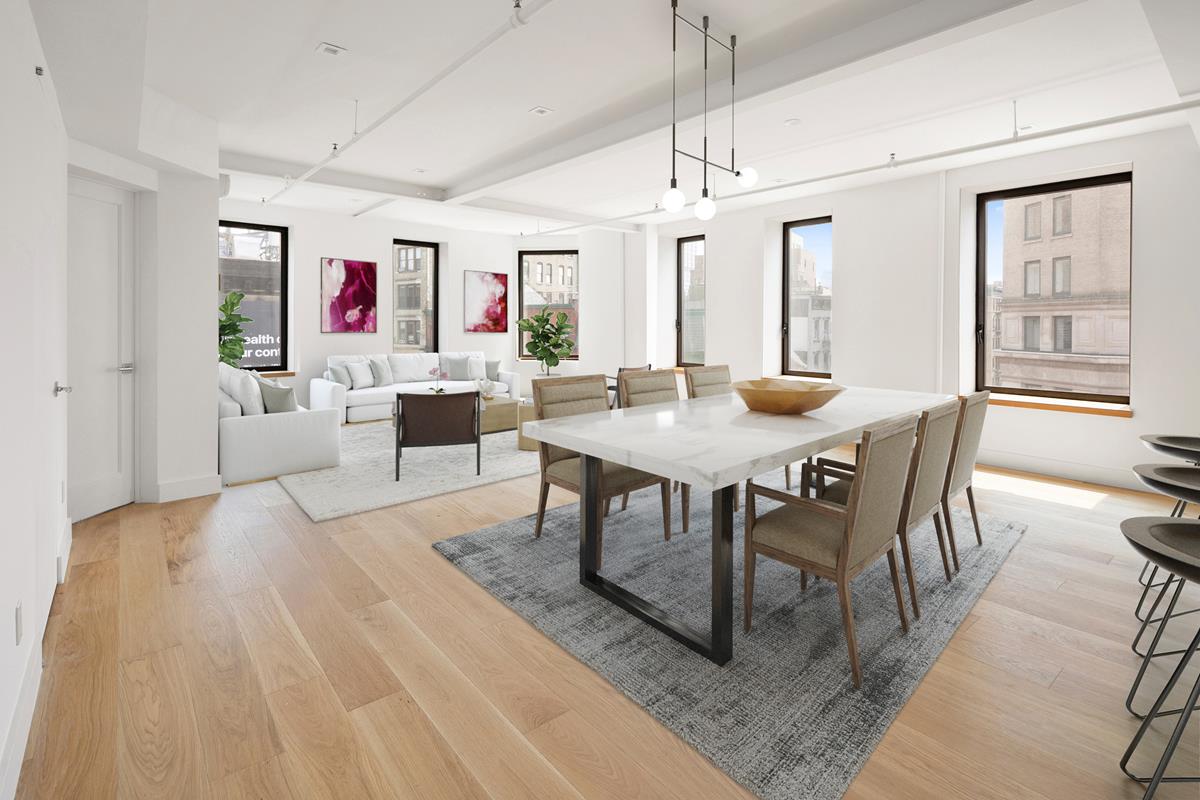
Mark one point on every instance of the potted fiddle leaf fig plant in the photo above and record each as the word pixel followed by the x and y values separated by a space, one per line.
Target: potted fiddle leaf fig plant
pixel 548 341
pixel 231 341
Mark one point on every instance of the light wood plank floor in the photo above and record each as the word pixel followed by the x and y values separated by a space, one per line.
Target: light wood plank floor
pixel 227 647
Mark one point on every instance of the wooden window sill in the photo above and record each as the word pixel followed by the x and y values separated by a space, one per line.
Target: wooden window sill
pixel 284 374
pixel 1099 409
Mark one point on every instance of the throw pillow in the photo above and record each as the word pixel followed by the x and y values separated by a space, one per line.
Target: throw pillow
pixel 339 374
pixel 476 368
pixel 243 387
pixel 360 375
pixel 277 398
pixel 457 368
pixel 492 368
pixel 381 371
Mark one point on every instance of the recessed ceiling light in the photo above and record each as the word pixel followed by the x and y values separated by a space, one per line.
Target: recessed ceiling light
pixel 541 111
pixel 419 170
pixel 327 49
pixel 792 122
pixel 779 180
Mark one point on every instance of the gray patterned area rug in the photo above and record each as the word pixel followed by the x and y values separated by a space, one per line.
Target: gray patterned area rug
pixel 782 718
pixel 366 478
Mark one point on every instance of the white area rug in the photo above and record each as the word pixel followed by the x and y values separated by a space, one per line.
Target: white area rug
pixel 365 480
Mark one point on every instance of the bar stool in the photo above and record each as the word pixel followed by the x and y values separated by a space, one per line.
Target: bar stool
pixel 1186 448
pixel 1172 545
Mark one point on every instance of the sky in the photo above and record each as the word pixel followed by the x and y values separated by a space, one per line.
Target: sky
pixel 995 241
pixel 818 239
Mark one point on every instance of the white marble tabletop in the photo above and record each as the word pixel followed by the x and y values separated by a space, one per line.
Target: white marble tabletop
pixel 713 442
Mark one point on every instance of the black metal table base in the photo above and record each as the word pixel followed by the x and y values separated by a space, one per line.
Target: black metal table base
pixel 717 644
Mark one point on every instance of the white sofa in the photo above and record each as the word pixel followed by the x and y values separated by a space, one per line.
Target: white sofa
pixel 253 445
pixel 411 373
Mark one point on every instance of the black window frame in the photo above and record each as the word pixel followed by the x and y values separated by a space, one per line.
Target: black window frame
pixel 437 294
pixel 679 244
pixel 785 333
pixel 981 201
pixel 285 299
pixel 521 354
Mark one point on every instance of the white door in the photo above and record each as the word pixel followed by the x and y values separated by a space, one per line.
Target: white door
pixel 99 348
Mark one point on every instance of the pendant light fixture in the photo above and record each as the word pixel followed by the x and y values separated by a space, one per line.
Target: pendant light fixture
pixel 674 199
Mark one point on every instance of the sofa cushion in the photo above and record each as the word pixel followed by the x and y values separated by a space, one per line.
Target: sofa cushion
pixel 492 369
pixel 360 375
pixel 242 386
pixel 380 370
pixel 457 367
pixel 377 395
pixel 277 398
pixel 339 374
pixel 227 406
pixel 409 367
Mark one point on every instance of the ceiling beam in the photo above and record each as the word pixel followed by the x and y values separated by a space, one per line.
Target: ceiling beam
pixel 527 210
pixel 1176 28
pixel 272 168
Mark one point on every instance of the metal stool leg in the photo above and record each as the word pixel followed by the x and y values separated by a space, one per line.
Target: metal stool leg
pixel 1176 735
pixel 1137 682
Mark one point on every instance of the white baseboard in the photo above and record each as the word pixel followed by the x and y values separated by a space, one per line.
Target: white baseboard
pixel 1071 470
pixel 64 550
pixel 189 487
pixel 18 732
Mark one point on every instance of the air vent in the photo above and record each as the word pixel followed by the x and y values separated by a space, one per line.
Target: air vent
pixel 541 111
pixel 327 49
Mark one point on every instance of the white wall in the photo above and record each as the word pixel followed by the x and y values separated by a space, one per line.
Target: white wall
pixel 33 161
pixel 904 295
pixel 314 235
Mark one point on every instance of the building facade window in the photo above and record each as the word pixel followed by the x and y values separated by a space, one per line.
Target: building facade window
pixel 537 289
pixel 1033 221
pixel 1085 305
pixel 1033 278
pixel 415 288
pixel 689 301
pixel 1062 276
pixel 1062 215
pixel 252 259
pixel 808 297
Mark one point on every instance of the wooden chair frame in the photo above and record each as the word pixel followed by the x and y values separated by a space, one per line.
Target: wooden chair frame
pixel 949 492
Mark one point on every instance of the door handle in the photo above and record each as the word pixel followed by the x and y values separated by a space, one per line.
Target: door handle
pixel 59 389
pixel 125 368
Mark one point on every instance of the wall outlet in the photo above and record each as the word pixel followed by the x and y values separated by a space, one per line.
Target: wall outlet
pixel 19 625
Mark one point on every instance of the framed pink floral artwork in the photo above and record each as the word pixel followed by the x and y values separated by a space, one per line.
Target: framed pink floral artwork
pixel 485 302
pixel 347 296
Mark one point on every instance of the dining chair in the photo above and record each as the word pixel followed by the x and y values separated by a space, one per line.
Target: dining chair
pixel 554 398
pixel 838 542
pixel 961 470
pixel 647 387
pixel 614 401
pixel 922 492
pixel 711 381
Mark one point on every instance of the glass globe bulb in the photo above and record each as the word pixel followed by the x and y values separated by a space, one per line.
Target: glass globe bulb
pixel 673 200
pixel 705 208
pixel 747 177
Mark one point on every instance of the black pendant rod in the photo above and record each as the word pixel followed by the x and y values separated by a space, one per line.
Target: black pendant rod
pixel 705 160
pixel 674 48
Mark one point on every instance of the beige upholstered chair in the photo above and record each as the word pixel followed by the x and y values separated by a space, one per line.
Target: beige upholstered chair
pixel 972 410
pixel 711 381
pixel 646 387
pixel 614 400
pixel 838 542
pixel 923 491
pixel 583 394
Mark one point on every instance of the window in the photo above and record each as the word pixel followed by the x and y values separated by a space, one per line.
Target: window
pixel 1033 333
pixel 1062 215
pixel 1062 276
pixel 808 297
pixel 415 288
pixel 1033 222
pixel 1086 310
pixel 1062 334
pixel 689 301
pixel 533 290
pixel 252 259
pixel 1033 278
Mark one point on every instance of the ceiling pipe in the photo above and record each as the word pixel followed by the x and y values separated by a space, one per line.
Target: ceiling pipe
pixel 894 162
pixel 519 18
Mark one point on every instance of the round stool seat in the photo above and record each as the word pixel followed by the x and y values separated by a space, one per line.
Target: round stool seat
pixel 1170 543
pixel 1184 447
pixel 1173 480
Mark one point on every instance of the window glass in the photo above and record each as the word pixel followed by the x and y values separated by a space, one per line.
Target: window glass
pixel 252 259
pixel 808 297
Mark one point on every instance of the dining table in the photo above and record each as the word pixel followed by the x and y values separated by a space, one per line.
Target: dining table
pixel 711 444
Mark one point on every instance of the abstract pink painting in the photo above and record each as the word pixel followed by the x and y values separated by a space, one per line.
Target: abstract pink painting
pixel 347 296
pixel 485 302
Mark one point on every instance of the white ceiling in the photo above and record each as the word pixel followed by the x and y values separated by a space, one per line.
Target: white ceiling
pixel 865 78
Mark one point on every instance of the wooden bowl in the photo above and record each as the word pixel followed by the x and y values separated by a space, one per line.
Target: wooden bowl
pixel 779 396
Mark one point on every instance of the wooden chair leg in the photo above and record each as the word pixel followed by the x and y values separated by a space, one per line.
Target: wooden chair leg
pixel 848 625
pixel 666 504
pixel 950 532
pixel 974 516
pixel 541 515
pixel 908 572
pixel 941 537
pixel 891 556
pixel 737 494
pixel 685 504
pixel 803 581
pixel 787 475
pixel 607 505
pixel 625 501
pixel 748 582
